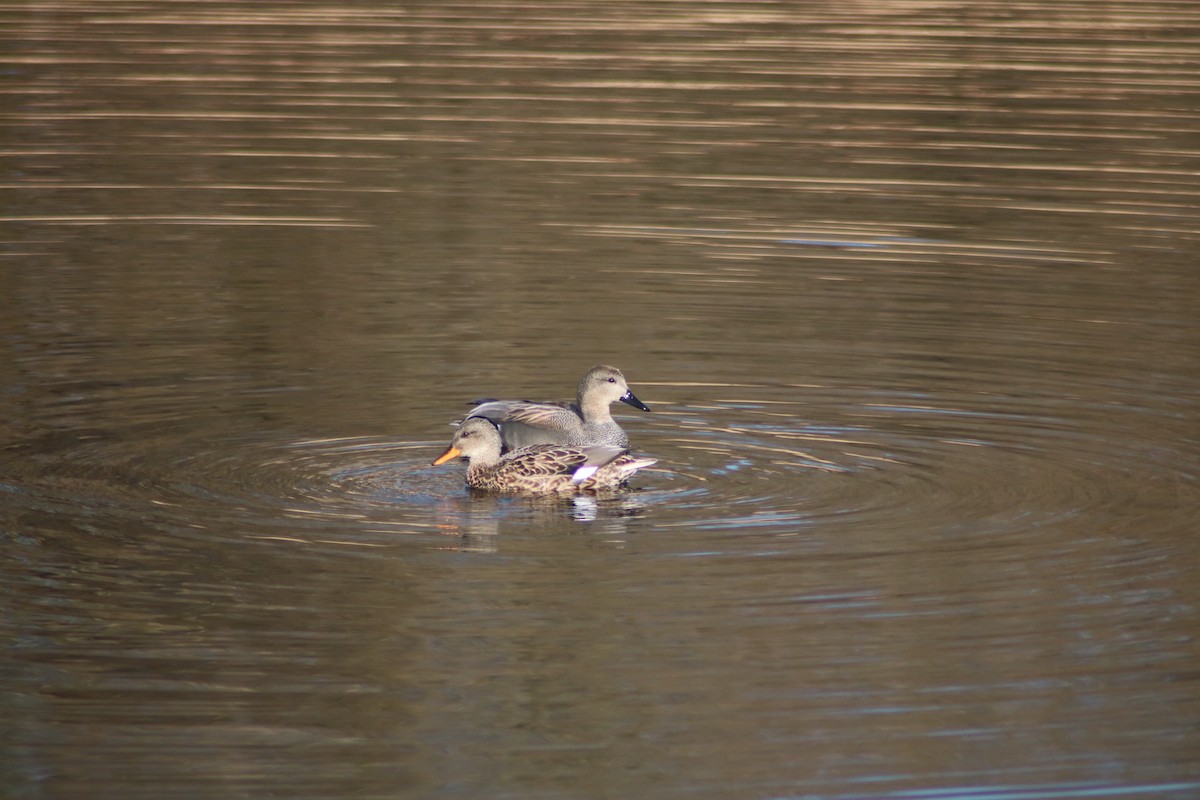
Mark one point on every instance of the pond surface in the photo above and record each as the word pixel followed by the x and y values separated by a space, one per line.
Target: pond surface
pixel 911 288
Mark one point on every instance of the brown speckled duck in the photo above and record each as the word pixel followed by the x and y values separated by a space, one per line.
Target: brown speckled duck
pixel 538 469
pixel 584 423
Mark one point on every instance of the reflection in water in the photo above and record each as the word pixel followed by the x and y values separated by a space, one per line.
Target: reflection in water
pixel 910 288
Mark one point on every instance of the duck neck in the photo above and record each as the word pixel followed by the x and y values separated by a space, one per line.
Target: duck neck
pixel 483 461
pixel 594 410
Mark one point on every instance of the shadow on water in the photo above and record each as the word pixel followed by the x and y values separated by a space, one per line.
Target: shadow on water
pixel 911 290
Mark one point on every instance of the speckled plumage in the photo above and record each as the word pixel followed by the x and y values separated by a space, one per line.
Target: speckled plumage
pixel 584 423
pixel 538 469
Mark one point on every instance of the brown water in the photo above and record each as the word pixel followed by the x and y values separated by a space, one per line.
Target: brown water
pixel 912 288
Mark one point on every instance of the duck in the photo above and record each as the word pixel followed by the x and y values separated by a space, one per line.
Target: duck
pixel 585 423
pixel 542 469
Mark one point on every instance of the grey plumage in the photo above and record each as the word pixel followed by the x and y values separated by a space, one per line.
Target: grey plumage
pixel 584 423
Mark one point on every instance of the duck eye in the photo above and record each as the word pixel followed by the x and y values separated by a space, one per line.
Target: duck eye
pixel 612 380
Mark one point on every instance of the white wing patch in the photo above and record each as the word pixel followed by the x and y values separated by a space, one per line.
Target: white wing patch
pixel 583 473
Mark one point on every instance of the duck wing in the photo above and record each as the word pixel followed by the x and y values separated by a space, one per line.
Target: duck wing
pixel 544 461
pixel 523 423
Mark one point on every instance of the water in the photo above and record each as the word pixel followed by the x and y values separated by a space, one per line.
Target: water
pixel 910 287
